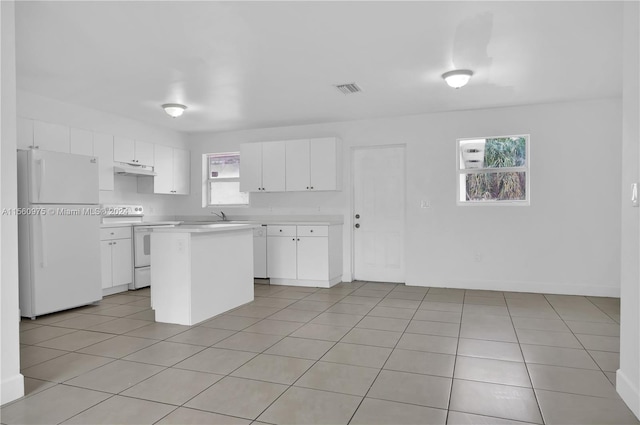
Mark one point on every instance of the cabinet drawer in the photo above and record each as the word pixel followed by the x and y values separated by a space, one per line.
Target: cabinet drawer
pixel 281 230
pixel 313 230
pixel 109 233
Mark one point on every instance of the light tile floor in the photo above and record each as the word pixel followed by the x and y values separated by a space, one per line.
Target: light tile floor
pixel 360 353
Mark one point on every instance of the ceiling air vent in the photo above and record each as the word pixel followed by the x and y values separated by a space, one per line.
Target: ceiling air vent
pixel 349 88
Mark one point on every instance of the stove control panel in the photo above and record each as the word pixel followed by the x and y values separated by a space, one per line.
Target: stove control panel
pixel 119 210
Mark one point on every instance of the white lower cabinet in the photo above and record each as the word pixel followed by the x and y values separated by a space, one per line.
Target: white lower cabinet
pixel 281 257
pixel 313 258
pixel 117 259
pixel 304 255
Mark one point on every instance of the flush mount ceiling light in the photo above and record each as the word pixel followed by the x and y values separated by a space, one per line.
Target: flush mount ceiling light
pixel 457 78
pixel 174 110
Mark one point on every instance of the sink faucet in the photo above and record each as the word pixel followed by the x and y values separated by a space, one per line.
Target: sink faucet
pixel 221 215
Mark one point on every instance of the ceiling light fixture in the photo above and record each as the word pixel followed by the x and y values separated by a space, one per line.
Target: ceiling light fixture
pixel 174 110
pixel 457 78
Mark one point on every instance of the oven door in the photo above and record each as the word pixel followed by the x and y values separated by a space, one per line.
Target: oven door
pixel 142 246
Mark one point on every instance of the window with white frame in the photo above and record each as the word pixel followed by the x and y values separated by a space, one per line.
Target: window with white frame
pixel 493 170
pixel 223 180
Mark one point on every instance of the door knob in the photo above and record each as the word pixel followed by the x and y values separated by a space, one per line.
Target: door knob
pixel 357 225
pixel 357 215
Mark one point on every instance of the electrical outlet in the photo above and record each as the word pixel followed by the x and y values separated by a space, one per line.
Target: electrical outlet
pixel 478 257
pixel 425 203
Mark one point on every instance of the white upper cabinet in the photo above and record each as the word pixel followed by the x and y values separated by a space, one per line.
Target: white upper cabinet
pixel 262 167
pixel 103 149
pixel 313 164
pixel 123 149
pixel 24 133
pixel 324 164
pixel 163 160
pixel 50 137
pixel 181 171
pixel 273 166
pixel 80 142
pixel 144 153
pixel 251 167
pixel 297 160
pixel 132 151
pixel 173 171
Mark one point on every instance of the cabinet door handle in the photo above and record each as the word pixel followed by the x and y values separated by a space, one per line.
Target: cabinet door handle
pixel 311 230
pixel 293 239
pixel 311 187
pixel 357 225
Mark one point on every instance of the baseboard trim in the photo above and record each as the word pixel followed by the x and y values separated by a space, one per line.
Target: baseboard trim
pixel 629 393
pixel 535 287
pixel 12 389
pixel 306 283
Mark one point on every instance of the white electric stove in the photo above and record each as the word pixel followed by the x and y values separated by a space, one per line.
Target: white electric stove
pixel 134 215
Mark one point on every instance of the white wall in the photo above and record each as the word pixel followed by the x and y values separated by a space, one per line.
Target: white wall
pixel 628 376
pixel 567 241
pixel 12 381
pixel 125 191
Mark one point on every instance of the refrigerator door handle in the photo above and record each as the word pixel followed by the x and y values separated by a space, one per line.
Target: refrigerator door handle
pixel 42 173
pixel 43 242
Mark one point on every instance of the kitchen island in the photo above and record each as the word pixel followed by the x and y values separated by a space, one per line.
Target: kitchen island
pixel 200 271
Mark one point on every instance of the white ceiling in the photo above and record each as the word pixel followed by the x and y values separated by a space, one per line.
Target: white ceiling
pixel 262 64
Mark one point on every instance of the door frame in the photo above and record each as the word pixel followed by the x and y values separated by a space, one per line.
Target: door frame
pixel 352 205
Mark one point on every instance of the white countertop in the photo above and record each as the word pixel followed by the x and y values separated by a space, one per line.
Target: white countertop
pixel 282 220
pixel 109 225
pixel 143 223
pixel 273 222
pixel 205 228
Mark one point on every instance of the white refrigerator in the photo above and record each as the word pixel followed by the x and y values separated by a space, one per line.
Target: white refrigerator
pixel 58 231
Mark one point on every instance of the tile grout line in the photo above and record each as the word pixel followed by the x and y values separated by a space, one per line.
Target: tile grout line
pixel 285 336
pixel 314 362
pixel 455 359
pixel 390 353
pixel 524 361
pixel 223 375
pixel 582 345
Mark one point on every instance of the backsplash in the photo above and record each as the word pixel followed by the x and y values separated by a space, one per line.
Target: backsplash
pixel 126 192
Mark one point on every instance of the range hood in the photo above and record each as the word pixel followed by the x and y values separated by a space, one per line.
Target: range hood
pixel 124 169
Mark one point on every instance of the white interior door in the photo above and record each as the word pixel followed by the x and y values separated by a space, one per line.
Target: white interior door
pixel 378 214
